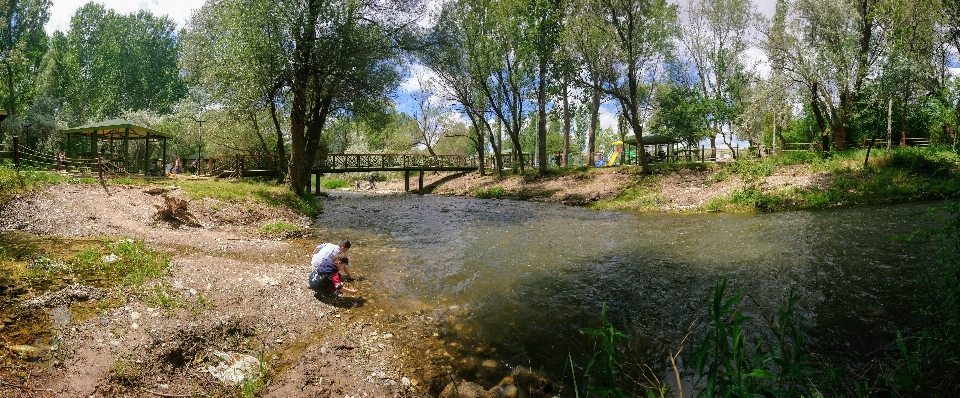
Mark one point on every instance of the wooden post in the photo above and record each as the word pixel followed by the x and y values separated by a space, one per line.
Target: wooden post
pixel 406 180
pixel 16 152
pixel 420 187
pixel 889 124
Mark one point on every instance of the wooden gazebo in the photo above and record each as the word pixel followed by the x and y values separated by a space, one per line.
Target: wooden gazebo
pixel 110 133
pixel 662 147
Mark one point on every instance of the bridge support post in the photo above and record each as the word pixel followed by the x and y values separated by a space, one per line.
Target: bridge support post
pixel 406 180
pixel 420 187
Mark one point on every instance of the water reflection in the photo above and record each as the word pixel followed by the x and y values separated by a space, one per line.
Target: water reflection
pixel 530 276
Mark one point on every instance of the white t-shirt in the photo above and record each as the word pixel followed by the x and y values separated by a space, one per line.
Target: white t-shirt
pixel 323 258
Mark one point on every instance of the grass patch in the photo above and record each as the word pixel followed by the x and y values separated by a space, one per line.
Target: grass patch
pixel 268 193
pixel 279 226
pixel 252 387
pixel 162 297
pixel 638 197
pixel 13 183
pixel 334 183
pixel 127 261
pixel 490 193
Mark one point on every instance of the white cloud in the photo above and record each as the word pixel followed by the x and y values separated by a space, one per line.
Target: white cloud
pixel 178 10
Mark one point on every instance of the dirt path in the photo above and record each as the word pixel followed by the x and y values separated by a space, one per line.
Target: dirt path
pixel 245 294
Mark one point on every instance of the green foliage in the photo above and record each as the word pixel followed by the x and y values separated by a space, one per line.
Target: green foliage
pixel 925 161
pixel 729 365
pixel 127 373
pixel 162 297
pixel 23 44
pixel 251 388
pixel 128 261
pixel 489 193
pixel 13 183
pixel 279 226
pixel 83 70
pixel 754 198
pixel 334 183
pixel 604 371
pixel 266 193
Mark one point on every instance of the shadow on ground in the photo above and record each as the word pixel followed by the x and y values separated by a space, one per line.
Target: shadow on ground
pixel 340 301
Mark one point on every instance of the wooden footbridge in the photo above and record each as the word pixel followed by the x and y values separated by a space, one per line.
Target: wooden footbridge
pixel 245 165
pixel 261 165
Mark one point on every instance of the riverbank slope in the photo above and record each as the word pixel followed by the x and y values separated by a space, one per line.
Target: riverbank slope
pixel 803 181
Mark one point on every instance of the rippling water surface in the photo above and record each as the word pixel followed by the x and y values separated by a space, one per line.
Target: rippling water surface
pixel 528 277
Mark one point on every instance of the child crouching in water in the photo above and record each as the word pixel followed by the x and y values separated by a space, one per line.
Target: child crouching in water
pixel 329 282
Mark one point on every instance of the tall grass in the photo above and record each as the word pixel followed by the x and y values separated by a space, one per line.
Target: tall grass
pixel 15 183
pixel 268 193
pixel 907 174
pixel 605 371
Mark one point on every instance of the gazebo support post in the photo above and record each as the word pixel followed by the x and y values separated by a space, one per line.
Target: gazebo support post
pixel 163 160
pixel 126 150
pixel 93 145
pixel 146 158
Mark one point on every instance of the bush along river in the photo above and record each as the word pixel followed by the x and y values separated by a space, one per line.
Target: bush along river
pixel 517 282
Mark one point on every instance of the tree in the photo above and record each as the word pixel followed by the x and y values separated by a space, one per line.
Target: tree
pixel 22 45
pixel 110 63
pixel 543 22
pixel 830 48
pixel 680 113
pixel 240 70
pixel 430 119
pixel 333 58
pixel 640 36
pixel 715 37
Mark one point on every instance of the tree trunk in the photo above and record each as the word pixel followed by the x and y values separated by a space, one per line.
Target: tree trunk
pixel 281 151
pixel 638 136
pixel 542 114
pixel 594 125
pixel 566 125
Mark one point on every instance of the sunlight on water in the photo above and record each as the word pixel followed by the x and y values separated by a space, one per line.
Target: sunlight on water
pixel 531 276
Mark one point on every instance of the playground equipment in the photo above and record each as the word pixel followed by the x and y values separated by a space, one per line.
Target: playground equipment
pixel 611 159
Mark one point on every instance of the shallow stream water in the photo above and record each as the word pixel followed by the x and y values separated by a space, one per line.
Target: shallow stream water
pixel 528 277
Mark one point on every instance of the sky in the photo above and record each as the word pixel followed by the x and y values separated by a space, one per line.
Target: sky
pixel 179 10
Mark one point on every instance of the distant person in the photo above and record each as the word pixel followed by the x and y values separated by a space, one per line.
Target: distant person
pixel 176 165
pixel 326 280
pixel 100 163
pixel 193 167
pixel 370 182
pixel 61 160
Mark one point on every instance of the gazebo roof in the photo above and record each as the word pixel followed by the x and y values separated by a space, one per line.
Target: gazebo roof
pixel 114 128
pixel 652 139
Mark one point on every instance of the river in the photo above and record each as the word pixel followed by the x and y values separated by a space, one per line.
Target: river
pixel 527 277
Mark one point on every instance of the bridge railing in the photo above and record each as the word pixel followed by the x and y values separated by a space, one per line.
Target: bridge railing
pixel 340 162
pixel 359 162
